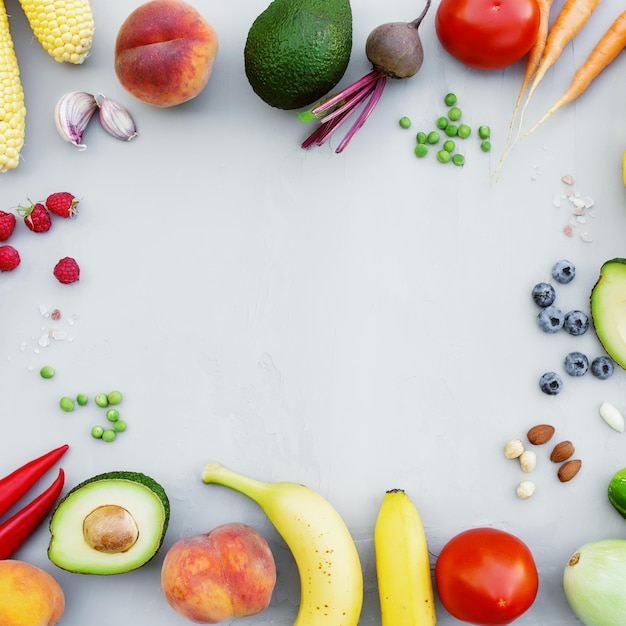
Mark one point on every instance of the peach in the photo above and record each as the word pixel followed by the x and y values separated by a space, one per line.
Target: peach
pixel 30 596
pixel 228 572
pixel 164 52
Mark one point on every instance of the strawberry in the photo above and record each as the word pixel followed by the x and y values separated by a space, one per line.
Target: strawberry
pixel 9 258
pixel 36 217
pixel 7 224
pixel 66 270
pixel 62 203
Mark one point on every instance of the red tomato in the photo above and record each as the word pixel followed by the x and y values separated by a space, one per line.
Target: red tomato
pixel 486 576
pixel 487 34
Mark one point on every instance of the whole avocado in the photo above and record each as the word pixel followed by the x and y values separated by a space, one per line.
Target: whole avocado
pixel 297 50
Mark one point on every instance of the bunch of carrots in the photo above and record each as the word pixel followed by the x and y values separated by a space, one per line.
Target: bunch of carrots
pixel 548 47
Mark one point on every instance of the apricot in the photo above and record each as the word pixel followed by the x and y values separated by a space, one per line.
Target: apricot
pixel 30 596
pixel 228 572
pixel 164 52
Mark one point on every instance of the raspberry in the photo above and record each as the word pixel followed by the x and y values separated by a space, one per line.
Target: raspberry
pixel 9 258
pixel 66 270
pixel 7 224
pixel 36 217
pixel 62 203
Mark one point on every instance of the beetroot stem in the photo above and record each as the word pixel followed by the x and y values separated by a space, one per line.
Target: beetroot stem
pixel 338 97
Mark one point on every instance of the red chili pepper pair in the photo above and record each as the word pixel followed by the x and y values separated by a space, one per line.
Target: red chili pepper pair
pixel 16 530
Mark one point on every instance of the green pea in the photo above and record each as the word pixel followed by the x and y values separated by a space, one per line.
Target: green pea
pixel 97 432
pixel 450 99
pixel 449 145
pixel 441 123
pixel 455 114
pixel 405 122
pixel 101 400
pixel 433 137
pixel 113 415
pixel 458 159
pixel 421 150
pixel 109 435
pixel 452 130
pixel 464 131
pixel 114 397
pixel 485 146
pixel 443 156
pixel 421 137
pixel 66 404
pixel 484 132
pixel 47 371
pixel 119 426
pixel 82 399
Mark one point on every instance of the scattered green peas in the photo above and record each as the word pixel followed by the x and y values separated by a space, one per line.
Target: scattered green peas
pixel 450 99
pixel 421 150
pixel 66 404
pixel 441 123
pixel 113 415
pixel 443 156
pixel 464 131
pixel 433 137
pixel 47 371
pixel 101 400
pixel 109 435
pixel 484 132
pixel 449 145
pixel 82 399
pixel 114 397
pixel 405 122
pixel 420 137
pixel 119 426
pixel 97 432
pixel 485 146
pixel 455 114
pixel 452 130
pixel 458 159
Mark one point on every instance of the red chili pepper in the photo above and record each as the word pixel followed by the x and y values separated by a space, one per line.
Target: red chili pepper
pixel 16 484
pixel 17 529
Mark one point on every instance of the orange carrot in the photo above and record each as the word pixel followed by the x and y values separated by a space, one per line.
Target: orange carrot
pixel 570 19
pixel 604 53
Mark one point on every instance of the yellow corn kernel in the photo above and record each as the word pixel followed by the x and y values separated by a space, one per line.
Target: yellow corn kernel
pixel 12 109
pixel 63 27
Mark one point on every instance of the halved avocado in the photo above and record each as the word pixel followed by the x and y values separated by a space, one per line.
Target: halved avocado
pixel 109 524
pixel 608 309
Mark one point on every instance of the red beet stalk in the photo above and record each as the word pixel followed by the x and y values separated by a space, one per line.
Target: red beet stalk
pixel 17 529
pixel 16 484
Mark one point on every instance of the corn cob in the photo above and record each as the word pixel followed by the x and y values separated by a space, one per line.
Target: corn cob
pixel 63 27
pixel 12 109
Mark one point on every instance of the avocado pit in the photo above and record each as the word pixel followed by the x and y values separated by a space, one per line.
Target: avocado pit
pixel 110 528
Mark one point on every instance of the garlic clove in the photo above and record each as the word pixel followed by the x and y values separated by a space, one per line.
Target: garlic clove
pixel 528 461
pixel 513 448
pixel 116 120
pixel 72 114
pixel 525 489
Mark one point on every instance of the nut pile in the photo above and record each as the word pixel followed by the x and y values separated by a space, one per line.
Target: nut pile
pixel 561 454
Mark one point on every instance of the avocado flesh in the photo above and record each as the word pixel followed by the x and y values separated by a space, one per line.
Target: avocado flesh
pixel 296 51
pixel 144 500
pixel 608 309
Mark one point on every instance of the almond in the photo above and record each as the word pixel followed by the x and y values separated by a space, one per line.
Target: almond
pixel 569 469
pixel 540 434
pixel 562 451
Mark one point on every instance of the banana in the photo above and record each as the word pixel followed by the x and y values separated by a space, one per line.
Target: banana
pixel 331 578
pixel 402 565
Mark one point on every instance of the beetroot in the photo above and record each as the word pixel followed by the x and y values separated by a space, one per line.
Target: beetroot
pixel 395 51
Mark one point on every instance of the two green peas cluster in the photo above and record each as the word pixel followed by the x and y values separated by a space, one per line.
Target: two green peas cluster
pixel 451 126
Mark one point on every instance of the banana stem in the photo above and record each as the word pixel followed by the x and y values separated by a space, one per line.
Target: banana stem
pixel 215 473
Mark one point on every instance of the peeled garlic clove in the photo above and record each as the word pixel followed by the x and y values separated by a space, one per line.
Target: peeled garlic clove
pixel 528 461
pixel 513 448
pixel 525 489
pixel 72 114
pixel 611 415
pixel 116 120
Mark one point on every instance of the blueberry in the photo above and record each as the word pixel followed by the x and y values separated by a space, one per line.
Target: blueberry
pixel 602 367
pixel 563 271
pixel 576 364
pixel 576 323
pixel 551 383
pixel 550 319
pixel 543 294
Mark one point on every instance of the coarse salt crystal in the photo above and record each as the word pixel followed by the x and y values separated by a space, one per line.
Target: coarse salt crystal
pixel 568 230
pixel 567 179
pixel 586 237
pixel 556 201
